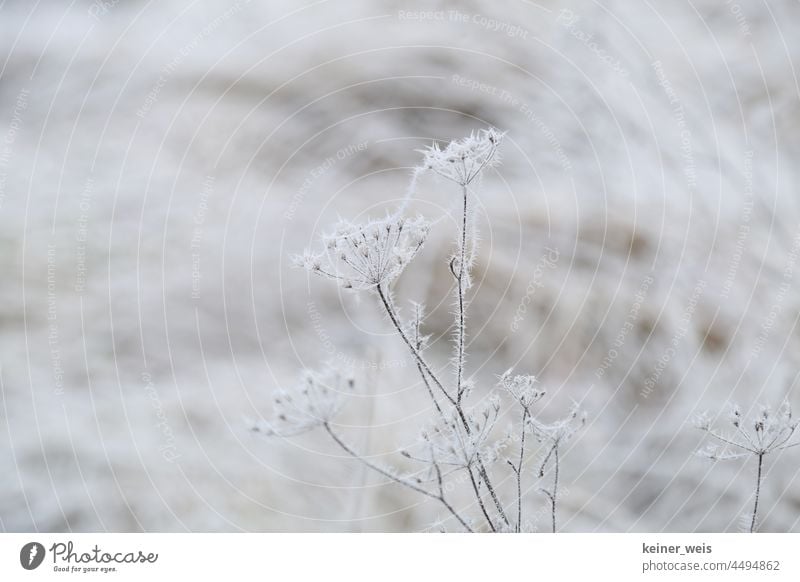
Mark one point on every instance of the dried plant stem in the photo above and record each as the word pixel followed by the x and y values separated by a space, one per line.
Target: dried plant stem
pixel 485 476
pixel 479 497
pixel 428 388
pixel 418 345
pixel 440 497
pixel 444 502
pixel 424 366
pixel 425 369
pixel 758 492
pixel 518 469
pixel 463 269
pixel 552 495
pixel 461 332
pixel 414 351
pixel 555 487
pixel 768 432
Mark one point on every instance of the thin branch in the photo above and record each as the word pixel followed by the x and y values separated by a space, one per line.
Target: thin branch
pixel 555 489
pixel 758 493
pixel 444 502
pixel 395 478
pixel 424 365
pixel 463 270
pixel 719 437
pixel 485 476
pixel 479 497
pixel 418 345
pixel 420 360
pixel 553 496
pixel 518 470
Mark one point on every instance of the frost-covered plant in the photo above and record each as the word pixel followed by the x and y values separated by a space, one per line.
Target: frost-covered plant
pixel 767 433
pixel 369 255
pixel 460 440
pixel 314 401
pixel 553 436
pixel 463 160
pixel 522 388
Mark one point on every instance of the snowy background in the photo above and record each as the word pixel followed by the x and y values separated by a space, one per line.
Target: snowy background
pixel 161 161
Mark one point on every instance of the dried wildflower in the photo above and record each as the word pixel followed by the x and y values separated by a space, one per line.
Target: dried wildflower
pixel 449 442
pixel 702 421
pixel 370 256
pixel 463 160
pixel 313 401
pixel 766 433
pixel 553 436
pixel 365 256
pixel 522 388
pixel 560 431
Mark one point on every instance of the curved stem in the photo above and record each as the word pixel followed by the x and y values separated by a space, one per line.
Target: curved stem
pixel 440 498
pixel 462 416
pixel 420 360
pixel 758 492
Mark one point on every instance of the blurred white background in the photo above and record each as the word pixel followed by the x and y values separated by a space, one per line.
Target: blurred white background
pixel 160 162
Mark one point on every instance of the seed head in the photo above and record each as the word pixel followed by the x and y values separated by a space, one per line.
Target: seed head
pixel 463 160
pixel 364 256
pixel 522 388
pixel 769 431
pixel 313 401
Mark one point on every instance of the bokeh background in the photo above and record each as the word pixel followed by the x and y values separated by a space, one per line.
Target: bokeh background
pixel 160 162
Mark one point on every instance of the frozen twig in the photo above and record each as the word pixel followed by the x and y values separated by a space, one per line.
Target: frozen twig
pixel 553 436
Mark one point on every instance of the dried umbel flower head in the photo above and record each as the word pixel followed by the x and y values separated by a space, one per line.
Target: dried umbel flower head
pixel 522 388
pixel 365 256
pixel 449 443
pixel 768 431
pixel 313 401
pixel 560 431
pixel 553 436
pixel 463 160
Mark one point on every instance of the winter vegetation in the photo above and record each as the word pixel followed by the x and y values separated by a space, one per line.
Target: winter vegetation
pixel 461 437
pixel 769 432
pixel 634 258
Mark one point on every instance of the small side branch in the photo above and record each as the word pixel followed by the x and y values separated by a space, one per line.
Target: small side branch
pixel 552 495
pixel 438 497
pixel 414 351
pixel 518 469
